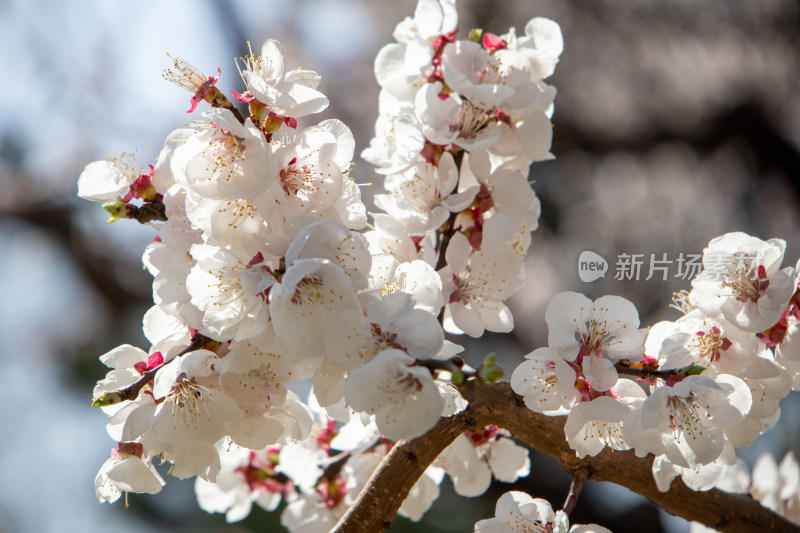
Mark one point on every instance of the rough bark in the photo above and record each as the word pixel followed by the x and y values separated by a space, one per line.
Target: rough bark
pixel 497 404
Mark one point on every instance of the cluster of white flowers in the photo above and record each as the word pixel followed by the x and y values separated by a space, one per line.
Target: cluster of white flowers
pixel 264 276
pixel 776 486
pixel 517 511
pixel 705 384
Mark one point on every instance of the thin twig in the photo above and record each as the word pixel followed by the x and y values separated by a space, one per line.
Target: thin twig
pixel 131 392
pixel 643 372
pixel 575 487
pixel 447 232
pixel 649 373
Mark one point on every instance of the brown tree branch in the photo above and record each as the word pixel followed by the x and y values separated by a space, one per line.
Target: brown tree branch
pixel 498 404
pixel 400 469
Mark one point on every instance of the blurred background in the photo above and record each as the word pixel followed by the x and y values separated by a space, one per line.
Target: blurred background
pixel 676 121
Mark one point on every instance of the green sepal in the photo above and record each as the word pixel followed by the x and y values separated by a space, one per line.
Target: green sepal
pixel 117 209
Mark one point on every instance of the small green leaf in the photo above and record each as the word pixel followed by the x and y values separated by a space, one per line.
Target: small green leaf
pixel 694 370
pixel 457 377
pixel 475 35
pixel 489 372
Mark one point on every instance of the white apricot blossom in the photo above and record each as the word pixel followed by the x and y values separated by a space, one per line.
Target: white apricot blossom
pixel 313 173
pixel 104 181
pixel 455 120
pixel 475 457
pixel 742 280
pixel 423 197
pixel 391 237
pixel 422 494
pixel 230 291
pixel 126 471
pixel 542 44
pixel 354 339
pixel 416 278
pixel 518 511
pixel 402 396
pixel 594 424
pixel 686 421
pixel 246 477
pixel 477 285
pixel 289 94
pixel 696 338
pixel 224 159
pixel 545 381
pixel 595 334
pixel 310 293
pixel 501 188
pixel 192 414
pixel 397 143
pixel 331 240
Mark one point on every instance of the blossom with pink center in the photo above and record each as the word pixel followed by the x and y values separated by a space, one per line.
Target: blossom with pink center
pixel 517 511
pixel 224 159
pixel 595 334
pixel 288 94
pixel 191 78
pixel 545 381
pixel 477 285
pixel 309 294
pixel 686 421
pixel 192 414
pixel 318 509
pixel 696 338
pixel 455 120
pixel 312 176
pixel 126 471
pixel 402 396
pixel 230 291
pixel 742 280
pixel 594 424
pixel 423 197
pixel 475 457
pixel 246 477
pixel 104 181
pixel 489 81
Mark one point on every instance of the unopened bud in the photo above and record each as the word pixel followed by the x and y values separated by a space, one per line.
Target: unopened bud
pixel 272 123
pixel 109 398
